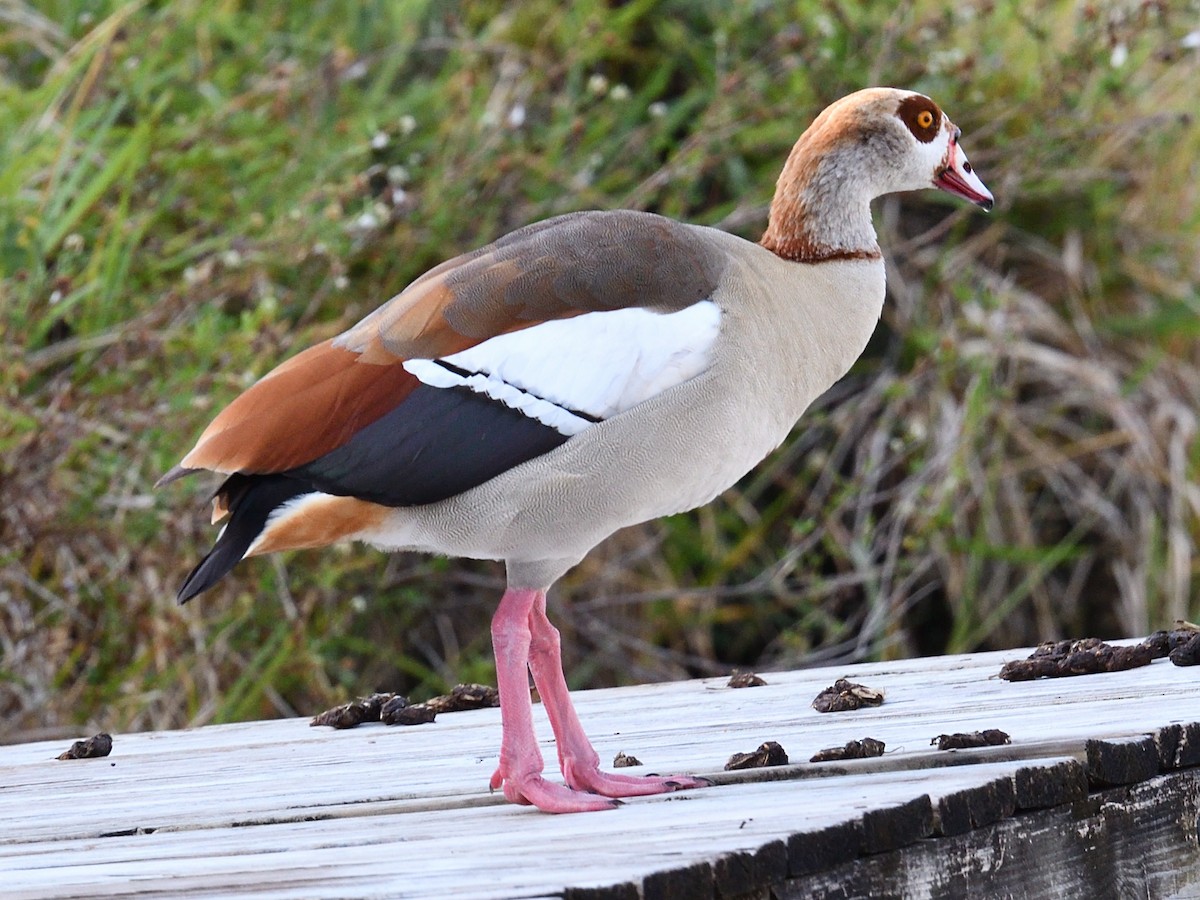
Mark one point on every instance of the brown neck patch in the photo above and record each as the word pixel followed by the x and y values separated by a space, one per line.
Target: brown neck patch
pixel 800 249
pixel 817 215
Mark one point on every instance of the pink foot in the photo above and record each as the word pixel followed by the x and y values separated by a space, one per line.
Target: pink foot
pixel 609 784
pixel 534 790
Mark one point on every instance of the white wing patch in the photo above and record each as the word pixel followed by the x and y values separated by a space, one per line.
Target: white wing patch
pixel 570 373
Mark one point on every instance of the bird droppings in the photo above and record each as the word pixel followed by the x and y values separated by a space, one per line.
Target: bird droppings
pixel 864 749
pixel 989 737
pixel 623 761
pixel 845 695
pixel 745 680
pixel 391 708
pixel 465 696
pixel 405 713
pixel 96 746
pixel 1161 643
pixel 1187 654
pixel 767 754
pixel 387 708
pixel 1060 659
pixel 353 714
pixel 1181 645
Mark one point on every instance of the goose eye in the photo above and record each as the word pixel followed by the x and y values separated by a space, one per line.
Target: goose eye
pixel 921 117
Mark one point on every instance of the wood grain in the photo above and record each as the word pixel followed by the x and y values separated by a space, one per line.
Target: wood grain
pixel 280 809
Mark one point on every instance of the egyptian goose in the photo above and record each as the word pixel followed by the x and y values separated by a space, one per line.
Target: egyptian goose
pixel 524 401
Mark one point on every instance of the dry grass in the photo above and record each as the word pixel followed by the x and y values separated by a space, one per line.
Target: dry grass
pixel 189 194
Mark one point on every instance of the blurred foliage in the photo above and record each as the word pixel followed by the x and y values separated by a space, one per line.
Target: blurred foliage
pixel 192 191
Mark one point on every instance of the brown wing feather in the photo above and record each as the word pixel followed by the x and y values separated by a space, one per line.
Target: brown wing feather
pixel 306 407
pixel 562 267
pixel 572 264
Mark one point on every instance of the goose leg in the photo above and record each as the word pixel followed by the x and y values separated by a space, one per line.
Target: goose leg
pixel 520 769
pixel 578 759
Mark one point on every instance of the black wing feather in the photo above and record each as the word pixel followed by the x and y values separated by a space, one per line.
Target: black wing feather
pixel 438 443
pixel 251 500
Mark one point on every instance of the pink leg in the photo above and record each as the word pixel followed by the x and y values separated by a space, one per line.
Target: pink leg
pixel 521 765
pixel 578 759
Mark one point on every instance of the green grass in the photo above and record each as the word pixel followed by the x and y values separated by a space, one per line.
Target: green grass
pixel 190 192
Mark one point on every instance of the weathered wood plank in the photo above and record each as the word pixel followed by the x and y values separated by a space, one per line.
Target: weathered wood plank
pixel 280 809
pixel 959 812
pixel 1121 761
pixel 640 839
pixel 1135 841
pixel 709 724
pixel 824 847
pixel 897 826
pixel 1041 787
pixel 740 872
pixel 1178 746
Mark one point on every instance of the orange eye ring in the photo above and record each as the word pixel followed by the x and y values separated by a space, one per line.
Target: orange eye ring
pixel 924 119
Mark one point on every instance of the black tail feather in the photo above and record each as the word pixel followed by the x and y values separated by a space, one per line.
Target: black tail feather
pixel 251 500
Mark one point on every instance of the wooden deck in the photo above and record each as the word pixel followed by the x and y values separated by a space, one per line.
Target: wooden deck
pixel 1098 796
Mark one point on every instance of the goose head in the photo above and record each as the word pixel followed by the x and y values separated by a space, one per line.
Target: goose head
pixel 870 143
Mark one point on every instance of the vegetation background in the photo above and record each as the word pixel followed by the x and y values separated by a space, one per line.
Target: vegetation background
pixel 192 191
